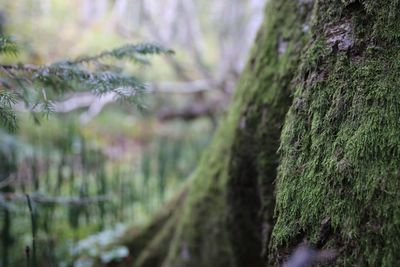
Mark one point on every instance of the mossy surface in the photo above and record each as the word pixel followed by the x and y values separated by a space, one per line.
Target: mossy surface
pixel 149 244
pixel 230 202
pixel 266 90
pixel 340 147
pixel 155 252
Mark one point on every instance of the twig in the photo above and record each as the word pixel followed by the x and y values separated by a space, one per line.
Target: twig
pixel 8 181
pixel 33 225
pixel 27 255
pixel 23 67
pixel 55 200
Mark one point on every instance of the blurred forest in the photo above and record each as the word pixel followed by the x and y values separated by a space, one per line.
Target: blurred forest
pixel 97 166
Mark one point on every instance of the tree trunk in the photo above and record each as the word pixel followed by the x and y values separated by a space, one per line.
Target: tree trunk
pixel 320 86
pixel 340 146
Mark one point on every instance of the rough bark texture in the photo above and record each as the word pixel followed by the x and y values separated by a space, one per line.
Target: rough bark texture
pixel 228 217
pixel 336 65
pixel 341 141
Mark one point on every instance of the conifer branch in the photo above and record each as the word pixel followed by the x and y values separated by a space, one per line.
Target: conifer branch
pixel 84 74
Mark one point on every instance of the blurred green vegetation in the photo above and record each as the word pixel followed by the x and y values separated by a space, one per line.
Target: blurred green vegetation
pixel 50 30
pixel 85 180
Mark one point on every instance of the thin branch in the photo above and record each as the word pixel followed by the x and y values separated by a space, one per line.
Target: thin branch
pixel 10 180
pixel 84 100
pixel 194 110
pixel 95 104
pixel 23 67
pixel 189 87
pixel 189 112
pixel 78 201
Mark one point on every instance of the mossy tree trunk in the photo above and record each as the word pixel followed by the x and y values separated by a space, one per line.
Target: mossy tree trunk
pixel 340 146
pixel 312 136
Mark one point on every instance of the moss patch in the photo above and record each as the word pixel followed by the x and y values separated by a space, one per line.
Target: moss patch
pixel 340 149
pixel 230 202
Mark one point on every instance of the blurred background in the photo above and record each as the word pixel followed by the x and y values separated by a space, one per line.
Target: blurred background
pixel 96 167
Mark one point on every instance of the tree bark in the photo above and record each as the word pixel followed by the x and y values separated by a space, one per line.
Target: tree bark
pixel 338 182
pixel 321 87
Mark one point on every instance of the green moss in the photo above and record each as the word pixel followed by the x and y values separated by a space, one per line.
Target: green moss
pixel 387 18
pixel 200 238
pixel 339 148
pixel 253 158
pixel 148 244
pixel 156 249
pixel 341 144
pixel 231 192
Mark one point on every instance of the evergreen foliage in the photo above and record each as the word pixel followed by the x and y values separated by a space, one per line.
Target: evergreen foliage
pixel 37 86
pixel 7 45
